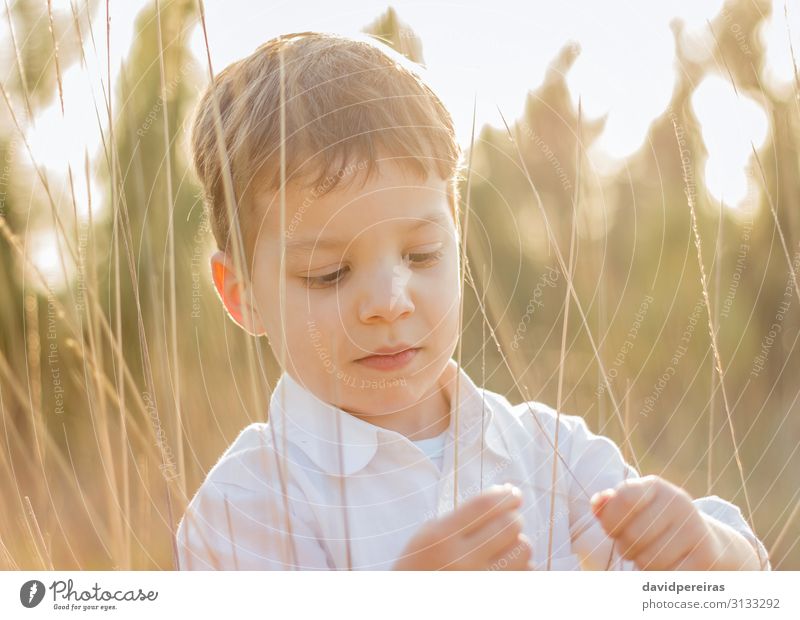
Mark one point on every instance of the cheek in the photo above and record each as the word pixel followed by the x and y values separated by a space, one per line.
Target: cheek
pixel 308 345
pixel 442 298
pixel 299 321
pixel 311 321
pixel 453 276
pixel 445 301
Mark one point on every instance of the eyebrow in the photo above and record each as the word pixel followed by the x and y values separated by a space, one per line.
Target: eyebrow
pixel 303 245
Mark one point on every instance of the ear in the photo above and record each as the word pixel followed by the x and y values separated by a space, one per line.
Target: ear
pixel 235 294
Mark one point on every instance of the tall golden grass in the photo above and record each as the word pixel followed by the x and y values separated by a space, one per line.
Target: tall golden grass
pixel 116 396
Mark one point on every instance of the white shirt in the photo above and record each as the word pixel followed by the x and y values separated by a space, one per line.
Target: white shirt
pixel 358 506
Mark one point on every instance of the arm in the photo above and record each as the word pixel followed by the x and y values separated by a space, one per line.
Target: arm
pixel 230 528
pixel 597 465
pixel 735 552
pixel 658 526
pixel 723 513
pixel 240 520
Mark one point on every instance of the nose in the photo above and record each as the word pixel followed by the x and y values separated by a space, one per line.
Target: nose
pixel 386 294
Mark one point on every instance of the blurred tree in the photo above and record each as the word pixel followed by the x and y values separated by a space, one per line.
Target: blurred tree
pixel 30 84
pixel 399 35
pixel 156 215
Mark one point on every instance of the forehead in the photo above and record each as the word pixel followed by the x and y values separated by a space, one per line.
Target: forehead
pixel 392 198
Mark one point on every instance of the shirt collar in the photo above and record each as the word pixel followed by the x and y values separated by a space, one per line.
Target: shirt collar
pixel 318 428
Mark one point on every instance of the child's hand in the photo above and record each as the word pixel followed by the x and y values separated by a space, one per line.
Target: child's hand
pixel 483 533
pixel 655 524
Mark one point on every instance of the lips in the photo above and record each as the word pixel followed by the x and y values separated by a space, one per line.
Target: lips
pixel 390 358
pixel 391 350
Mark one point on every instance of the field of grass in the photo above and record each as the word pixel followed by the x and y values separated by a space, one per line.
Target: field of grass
pixel 633 298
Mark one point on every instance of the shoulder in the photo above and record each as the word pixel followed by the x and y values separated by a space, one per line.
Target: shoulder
pixel 242 474
pixel 250 457
pixel 254 436
pixel 238 507
pixel 541 421
pixel 576 441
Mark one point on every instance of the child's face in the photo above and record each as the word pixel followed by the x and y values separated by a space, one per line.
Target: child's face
pixel 368 268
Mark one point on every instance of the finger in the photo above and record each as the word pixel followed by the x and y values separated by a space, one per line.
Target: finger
pixel 615 507
pixel 663 552
pixel 518 557
pixel 476 512
pixel 496 536
pixel 698 558
pixel 689 561
pixel 666 551
pixel 645 527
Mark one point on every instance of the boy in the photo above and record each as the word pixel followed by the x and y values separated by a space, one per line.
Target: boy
pixel 368 459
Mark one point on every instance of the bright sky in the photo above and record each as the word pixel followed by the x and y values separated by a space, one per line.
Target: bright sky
pixel 497 51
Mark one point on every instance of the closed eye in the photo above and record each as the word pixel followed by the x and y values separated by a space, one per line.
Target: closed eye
pixel 325 280
pixel 423 259
pixel 417 259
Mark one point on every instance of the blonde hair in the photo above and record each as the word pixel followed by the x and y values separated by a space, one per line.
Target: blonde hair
pixel 347 99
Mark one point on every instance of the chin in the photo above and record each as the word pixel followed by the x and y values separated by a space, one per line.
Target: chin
pixel 378 396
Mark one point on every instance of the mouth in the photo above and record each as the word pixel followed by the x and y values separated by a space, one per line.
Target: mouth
pixel 390 358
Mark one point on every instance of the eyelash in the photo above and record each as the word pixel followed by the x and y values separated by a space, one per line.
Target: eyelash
pixel 428 259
